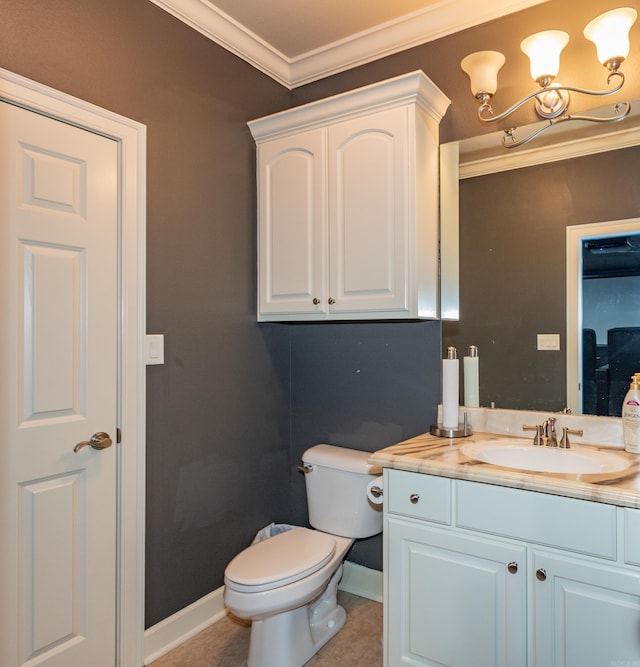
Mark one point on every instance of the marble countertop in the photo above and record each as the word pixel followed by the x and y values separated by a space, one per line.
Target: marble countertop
pixel 433 455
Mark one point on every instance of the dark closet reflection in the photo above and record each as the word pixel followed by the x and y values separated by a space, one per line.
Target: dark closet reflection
pixel 611 321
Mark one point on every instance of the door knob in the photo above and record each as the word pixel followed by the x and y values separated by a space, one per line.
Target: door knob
pixel 99 440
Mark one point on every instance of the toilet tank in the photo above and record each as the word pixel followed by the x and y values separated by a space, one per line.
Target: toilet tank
pixel 337 482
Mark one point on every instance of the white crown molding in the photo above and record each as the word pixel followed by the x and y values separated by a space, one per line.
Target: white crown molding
pixel 420 27
pixel 221 28
pixel 433 22
pixel 414 87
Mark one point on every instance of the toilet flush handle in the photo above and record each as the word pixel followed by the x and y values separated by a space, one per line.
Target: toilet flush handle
pixel 305 468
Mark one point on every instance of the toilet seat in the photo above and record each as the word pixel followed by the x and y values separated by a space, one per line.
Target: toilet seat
pixel 280 560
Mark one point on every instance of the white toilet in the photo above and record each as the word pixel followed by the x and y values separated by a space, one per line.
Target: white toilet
pixel 287 584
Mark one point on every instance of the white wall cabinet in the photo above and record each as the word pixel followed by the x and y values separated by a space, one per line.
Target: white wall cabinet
pixel 348 205
pixel 467 564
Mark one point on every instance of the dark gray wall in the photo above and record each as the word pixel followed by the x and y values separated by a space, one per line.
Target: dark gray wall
pixel 364 386
pixel 512 268
pixel 218 410
pixel 221 459
pixel 236 403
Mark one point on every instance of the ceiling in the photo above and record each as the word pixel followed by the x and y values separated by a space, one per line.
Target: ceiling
pixel 299 41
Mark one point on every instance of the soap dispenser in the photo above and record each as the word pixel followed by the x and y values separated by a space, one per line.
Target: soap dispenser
pixel 631 416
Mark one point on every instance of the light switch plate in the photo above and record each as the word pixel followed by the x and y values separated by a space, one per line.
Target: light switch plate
pixel 154 353
pixel 548 341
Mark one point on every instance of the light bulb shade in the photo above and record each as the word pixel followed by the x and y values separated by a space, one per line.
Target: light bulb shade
pixel 610 33
pixel 543 49
pixel 482 68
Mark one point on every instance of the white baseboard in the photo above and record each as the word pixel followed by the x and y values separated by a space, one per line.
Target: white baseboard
pixel 181 626
pixel 173 631
pixel 362 581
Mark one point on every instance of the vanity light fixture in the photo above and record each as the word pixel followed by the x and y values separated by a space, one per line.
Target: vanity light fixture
pixel 609 32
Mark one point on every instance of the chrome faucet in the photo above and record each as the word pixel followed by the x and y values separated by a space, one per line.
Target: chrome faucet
pixel 546 434
pixel 549 428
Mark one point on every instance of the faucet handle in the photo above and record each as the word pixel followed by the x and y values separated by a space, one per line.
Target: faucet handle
pixel 538 438
pixel 564 441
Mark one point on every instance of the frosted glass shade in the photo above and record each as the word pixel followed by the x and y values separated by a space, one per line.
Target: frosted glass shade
pixel 482 68
pixel 610 33
pixel 543 49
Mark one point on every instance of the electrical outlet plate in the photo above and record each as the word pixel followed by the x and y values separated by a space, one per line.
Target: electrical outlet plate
pixel 548 341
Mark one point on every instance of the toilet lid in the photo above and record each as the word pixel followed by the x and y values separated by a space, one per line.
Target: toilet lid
pixel 280 560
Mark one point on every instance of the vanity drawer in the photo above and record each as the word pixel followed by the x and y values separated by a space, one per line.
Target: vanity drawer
pixel 565 523
pixel 632 536
pixel 419 496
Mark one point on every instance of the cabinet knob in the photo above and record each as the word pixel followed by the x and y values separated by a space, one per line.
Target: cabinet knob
pixel 512 567
pixel 541 574
pixel 316 301
pixel 331 301
pixel 414 498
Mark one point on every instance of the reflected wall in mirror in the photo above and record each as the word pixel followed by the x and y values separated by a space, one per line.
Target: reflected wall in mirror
pixel 513 276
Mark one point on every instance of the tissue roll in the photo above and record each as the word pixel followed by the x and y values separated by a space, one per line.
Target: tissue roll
pixel 471 382
pixel 450 393
pixel 374 491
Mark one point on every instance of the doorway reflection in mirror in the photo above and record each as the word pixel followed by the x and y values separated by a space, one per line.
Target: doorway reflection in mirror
pixel 611 321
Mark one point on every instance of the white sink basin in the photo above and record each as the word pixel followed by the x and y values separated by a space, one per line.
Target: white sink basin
pixel 525 456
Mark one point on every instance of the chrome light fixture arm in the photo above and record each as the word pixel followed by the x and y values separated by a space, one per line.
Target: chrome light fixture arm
pixel 485 106
pixel 621 109
pixel 610 34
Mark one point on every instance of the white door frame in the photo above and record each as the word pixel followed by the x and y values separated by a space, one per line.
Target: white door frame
pixel 131 137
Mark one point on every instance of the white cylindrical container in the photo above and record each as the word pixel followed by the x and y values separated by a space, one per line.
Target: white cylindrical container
pixel 631 416
pixel 450 390
pixel 471 373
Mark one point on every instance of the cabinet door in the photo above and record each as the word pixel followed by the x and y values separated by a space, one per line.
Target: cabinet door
pixel 452 600
pixel 368 201
pixel 585 615
pixel 292 227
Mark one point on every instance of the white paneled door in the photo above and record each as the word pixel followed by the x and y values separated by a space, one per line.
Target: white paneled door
pixel 58 392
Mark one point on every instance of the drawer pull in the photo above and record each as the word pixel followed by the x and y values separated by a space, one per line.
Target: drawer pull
pixel 541 574
pixel 414 498
pixel 512 567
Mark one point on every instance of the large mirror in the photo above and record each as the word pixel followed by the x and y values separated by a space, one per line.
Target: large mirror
pixel 525 221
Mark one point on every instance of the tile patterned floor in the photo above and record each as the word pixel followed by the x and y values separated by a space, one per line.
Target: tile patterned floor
pixel 226 643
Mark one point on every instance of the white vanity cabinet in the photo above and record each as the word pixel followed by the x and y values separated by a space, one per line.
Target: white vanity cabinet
pixel 348 205
pixel 586 614
pixel 477 574
pixel 451 599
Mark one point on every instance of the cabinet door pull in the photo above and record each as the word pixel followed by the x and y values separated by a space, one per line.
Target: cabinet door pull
pixel 331 301
pixel 541 574
pixel 414 498
pixel 512 567
pixel 316 301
